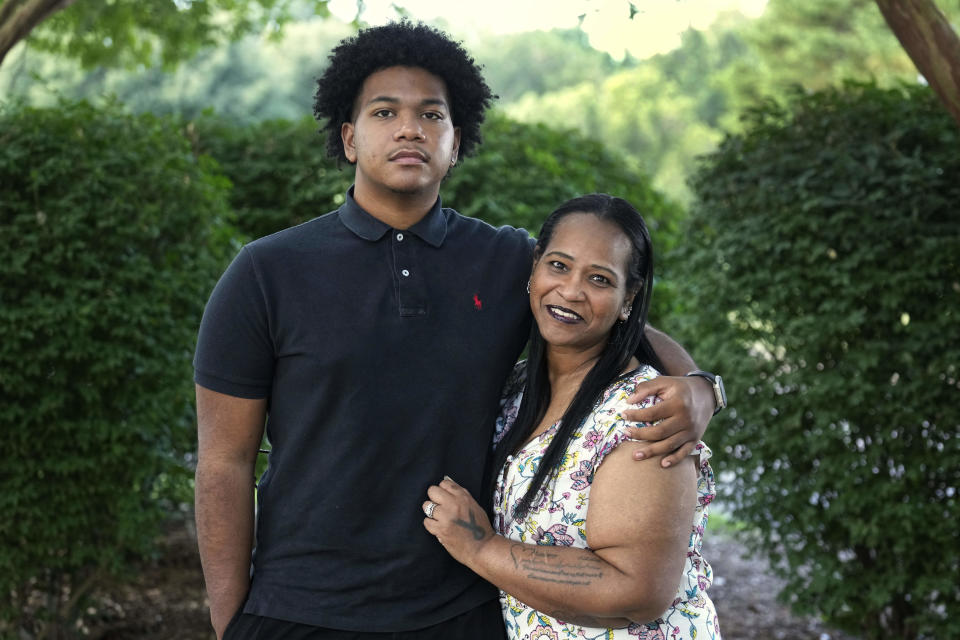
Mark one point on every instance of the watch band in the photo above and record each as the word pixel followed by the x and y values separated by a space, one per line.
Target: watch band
pixel 719 393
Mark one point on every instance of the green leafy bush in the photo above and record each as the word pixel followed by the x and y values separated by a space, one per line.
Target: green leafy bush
pixel 115 228
pixel 111 242
pixel 281 176
pixel 821 274
pixel 279 169
pixel 523 171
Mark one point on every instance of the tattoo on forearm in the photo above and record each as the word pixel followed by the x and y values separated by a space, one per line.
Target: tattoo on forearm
pixel 472 527
pixel 545 565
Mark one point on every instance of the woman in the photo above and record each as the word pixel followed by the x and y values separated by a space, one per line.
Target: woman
pixel 584 549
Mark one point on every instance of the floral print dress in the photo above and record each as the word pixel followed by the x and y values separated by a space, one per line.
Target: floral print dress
pixel 559 515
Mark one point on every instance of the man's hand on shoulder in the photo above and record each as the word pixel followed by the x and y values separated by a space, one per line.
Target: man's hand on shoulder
pixel 677 422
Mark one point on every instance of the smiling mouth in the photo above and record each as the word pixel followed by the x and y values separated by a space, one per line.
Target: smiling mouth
pixel 564 315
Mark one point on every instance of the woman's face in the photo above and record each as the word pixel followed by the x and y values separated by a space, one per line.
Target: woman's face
pixel 578 288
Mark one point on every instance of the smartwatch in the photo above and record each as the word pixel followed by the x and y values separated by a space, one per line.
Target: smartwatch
pixel 719 393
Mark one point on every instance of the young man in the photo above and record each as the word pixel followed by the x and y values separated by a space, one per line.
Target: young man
pixel 377 338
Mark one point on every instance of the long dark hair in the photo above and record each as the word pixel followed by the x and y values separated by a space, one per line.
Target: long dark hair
pixel 627 338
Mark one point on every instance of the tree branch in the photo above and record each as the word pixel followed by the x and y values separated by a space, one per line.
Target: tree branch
pixel 932 44
pixel 18 19
pixel 6 10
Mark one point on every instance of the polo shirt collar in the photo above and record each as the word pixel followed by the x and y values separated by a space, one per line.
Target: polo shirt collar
pixel 432 228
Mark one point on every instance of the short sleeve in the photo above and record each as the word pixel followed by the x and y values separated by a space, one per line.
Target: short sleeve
pixel 606 427
pixel 235 353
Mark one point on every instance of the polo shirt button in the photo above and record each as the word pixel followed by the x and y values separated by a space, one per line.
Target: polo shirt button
pixel 399 237
pixel 405 273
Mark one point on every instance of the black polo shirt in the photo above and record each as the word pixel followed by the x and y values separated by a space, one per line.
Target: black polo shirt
pixel 382 354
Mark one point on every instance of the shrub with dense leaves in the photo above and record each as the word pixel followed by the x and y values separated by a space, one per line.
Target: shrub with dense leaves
pixel 522 172
pixel 279 169
pixel 281 177
pixel 822 277
pixel 111 242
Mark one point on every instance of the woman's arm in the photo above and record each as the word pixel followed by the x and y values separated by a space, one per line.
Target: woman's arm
pixel 637 540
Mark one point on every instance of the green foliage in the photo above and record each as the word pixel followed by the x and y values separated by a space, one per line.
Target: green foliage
pixel 665 111
pixel 128 33
pixel 522 172
pixel 245 81
pixel 540 61
pixel 814 44
pixel 661 112
pixel 112 239
pixel 822 276
pixel 280 172
pixel 637 112
pixel 281 176
pixel 696 67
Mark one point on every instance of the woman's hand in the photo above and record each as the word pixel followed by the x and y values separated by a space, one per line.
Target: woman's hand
pixel 458 522
pixel 682 414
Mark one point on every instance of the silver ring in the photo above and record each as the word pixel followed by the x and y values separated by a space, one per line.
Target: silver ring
pixel 429 509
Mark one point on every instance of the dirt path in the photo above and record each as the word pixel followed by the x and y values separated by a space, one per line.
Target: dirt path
pixel 166 601
pixel 745 595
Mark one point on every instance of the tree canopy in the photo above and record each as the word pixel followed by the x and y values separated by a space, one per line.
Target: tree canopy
pixel 661 112
pixel 129 33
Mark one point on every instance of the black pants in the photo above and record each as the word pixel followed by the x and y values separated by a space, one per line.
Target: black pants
pixel 482 623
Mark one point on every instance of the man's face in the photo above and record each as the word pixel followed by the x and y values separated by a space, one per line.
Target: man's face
pixel 402 138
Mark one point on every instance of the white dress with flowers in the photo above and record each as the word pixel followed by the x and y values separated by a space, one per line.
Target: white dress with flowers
pixel 559 515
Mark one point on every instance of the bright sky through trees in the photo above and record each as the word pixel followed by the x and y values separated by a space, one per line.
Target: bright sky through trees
pixel 654 29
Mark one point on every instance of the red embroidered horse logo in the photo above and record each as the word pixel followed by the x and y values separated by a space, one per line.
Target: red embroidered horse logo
pixel 477 302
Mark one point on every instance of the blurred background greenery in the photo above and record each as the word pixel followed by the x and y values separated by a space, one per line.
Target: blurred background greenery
pixel 801 179
pixel 658 112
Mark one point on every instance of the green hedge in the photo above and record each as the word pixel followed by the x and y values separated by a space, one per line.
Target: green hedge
pixel 281 177
pixel 523 171
pixel 279 170
pixel 115 228
pixel 822 276
pixel 111 243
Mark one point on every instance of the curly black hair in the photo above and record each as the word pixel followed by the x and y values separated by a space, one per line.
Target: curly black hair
pixel 401 44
